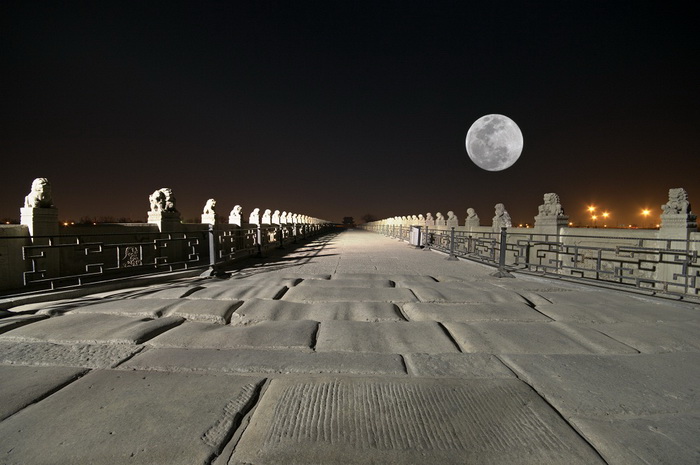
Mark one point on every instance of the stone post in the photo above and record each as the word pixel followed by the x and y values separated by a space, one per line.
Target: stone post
pixel 209 212
pixel 452 220
pixel 677 224
pixel 41 218
pixel 677 221
pixel 163 212
pixel 472 219
pixel 550 217
pixel 549 222
pixel 235 216
pixel 40 221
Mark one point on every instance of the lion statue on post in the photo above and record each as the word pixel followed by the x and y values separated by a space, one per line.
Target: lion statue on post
pixel 209 207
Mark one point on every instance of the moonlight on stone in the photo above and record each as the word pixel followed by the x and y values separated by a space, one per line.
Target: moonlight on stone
pixel 494 142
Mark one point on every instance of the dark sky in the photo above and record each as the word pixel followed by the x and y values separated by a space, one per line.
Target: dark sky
pixel 337 109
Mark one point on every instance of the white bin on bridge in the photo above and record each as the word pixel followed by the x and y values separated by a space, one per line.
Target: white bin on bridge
pixel 414 237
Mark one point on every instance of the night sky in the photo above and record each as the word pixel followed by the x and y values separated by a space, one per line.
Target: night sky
pixel 336 109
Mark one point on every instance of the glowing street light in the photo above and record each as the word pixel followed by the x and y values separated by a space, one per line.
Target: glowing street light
pixel 646 212
pixel 605 217
pixel 591 210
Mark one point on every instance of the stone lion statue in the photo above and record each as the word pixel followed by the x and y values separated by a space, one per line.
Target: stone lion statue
pixel 237 210
pixel 209 207
pixel 162 200
pixel 452 219
pixel 551 206
pixel 501 218
pixel 472 218
pixel 254 216
pixel 677 202
pixel 40 196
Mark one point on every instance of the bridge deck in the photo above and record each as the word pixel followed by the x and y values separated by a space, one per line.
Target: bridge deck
pixel 353 348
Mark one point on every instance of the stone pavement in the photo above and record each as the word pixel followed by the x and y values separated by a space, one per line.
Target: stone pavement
pixel 355 349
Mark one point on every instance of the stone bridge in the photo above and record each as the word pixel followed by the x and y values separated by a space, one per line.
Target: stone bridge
pixel 349 348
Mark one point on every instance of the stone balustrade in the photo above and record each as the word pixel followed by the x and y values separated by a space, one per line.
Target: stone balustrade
pixel 39 253
pixel 663 260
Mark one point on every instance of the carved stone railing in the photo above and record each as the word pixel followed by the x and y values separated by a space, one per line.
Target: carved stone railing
pixel 39 255
pixel 663 261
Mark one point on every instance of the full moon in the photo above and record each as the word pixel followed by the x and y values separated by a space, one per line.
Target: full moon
pixel 494 142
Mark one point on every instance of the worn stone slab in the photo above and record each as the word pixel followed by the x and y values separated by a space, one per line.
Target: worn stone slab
pixel 239 291
pixel 454 294
pixel 597 297
pixel 457 366
pixel 462 313
pixel 256 310
pixel 409 421
pixel 533 338
pixel 143 308
pixel 294 335
pixel 280 275
pixel 636 312
pixel 53 307
pixel 91 329
pixel 340 294
pixel 347 283
pixel 205 310
pixel 266 361
pixel 657 439
pixel 650 338
pixel 360 276
pixel 130 417
pixel 73 355
pixel 21 386
pixel 15 321
pixel 175 292
pixel 383 337
pixel 410 280
pixel 528 284
pixel 469 277
pixel 267 279
pixel 588 385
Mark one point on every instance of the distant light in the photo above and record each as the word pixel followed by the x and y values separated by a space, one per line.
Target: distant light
pixel 65 224
pixel 646 212
pixel 520 225
pixel 606 214
pixel 594 217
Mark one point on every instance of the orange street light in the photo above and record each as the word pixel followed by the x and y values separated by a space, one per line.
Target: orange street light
pixel 591 209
